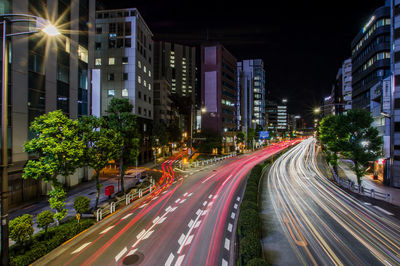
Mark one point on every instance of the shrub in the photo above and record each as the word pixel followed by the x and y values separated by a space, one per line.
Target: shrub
pixel 257 262
pixel 21 229
pixel 44 219
pixel 81 205
pixel 249 222
pixel 246 204
pixel 250 247
pixel 251 196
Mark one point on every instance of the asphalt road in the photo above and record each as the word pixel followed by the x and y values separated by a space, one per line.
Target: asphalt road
pixel 188 220
pixel 321 224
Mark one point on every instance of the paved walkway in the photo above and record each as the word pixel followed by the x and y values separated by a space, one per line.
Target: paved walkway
pixel 345 171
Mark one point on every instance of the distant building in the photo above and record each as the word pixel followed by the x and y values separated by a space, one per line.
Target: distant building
pixel 271 117
pixel 346 84
pixel 218 93
pixel 282 117
pixel 124 58
pixel 251 87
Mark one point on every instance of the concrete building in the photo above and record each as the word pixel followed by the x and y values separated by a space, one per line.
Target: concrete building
pixel 124 63
pixel 175 64
pixel 251 94
pixel 282 117
pixel 46 76
pixel 218 93
pixel 370 56
pixel 346 84
pixel 271 118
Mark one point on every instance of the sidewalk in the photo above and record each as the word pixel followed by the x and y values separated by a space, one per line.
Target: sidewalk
pixel 345 171
pixel 108 177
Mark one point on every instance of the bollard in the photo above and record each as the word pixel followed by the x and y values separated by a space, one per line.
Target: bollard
pixel 99 215
pixel 388 197
pixel 372 193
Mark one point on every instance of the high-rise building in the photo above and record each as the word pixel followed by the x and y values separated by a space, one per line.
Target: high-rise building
pixel 124 60
pixel 46 75
pixel 251 94
pixel 282 116
pixel 271 117
pixel 346 84
pixel 370 56
pixel 218 93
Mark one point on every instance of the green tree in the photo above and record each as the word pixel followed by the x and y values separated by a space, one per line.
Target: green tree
pixel 212 141
pixel 240 137
pixel 121 119
pixel 102 145
pixel 249 248
pixel 21 229
pixel 81 205
pixel 159 136
pixel 58 149
pixel 44 219
pixel 332 137
pixel 57 202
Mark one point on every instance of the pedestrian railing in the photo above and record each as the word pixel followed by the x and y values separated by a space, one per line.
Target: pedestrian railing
pixel 125 200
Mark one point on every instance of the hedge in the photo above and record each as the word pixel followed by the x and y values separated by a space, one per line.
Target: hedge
pixel 249 223
pixel 257 262
pixel 40 246
pixel 250 247
pixel 247 204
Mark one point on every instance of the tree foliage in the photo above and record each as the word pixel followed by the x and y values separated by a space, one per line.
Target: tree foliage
pixel 102 145
pixel 81 205
pixel 44 219
pixel 57 202
pixel 212 141
pixel 21 229
pixel 352 135
pixel 240 137
pixel 121 119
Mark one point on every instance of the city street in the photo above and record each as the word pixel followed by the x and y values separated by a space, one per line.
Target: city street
pixel 316 223
pixel 188 220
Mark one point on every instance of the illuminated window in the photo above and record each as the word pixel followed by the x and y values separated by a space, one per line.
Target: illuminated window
pixel 124 60
pixel 149 86
pixel 83 54
pixel 149 73
pixel 67 45
pixel 98 61
pixel 144 83
pixel 111 93
pixel 144 69
pixel 111 61
pixel 139 79
pixel 139 63
pixel 125 93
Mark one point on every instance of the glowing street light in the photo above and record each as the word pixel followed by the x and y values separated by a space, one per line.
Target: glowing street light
pixel 317 110
pixel 203 110
pixel 51 30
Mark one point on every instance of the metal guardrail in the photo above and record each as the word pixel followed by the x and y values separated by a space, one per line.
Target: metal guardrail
pixel 360 189
pixel 206 162
pixel 125 200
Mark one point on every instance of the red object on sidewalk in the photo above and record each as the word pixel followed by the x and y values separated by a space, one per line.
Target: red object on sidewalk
pixel 109 190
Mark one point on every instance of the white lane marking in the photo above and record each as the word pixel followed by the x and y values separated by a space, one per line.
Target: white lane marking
pixel 186 175
pixel 235 206
pixel 131 252
pixel 81 247
pixel 367 203
pixel 208 178
pixel 198 212
pixel 141 234
pixel 190 223
pixel 176 201
pixel 238 198
pixel 224 263
pixel 182 201
pixel 173 209
pixel 233 215
pixel 189 240
pixel 180 240
pixel 382 210
pixel 106 230
pixel 168 209
pixel 121 254
pixel 169 260
pixel 216 196
pixel 197 224
pixel 211 203
pixel 143 205
pixel 204 212
pixel 164 192
pixel 230 226
pixel 210 196
pixel 126 216
pixel 154 198
pixel 148 234
pixel 205 203
pixel 179 260
pixel 162 220
pixel 156 219
pixel 227 243
pixel 190 194
pixel 185 194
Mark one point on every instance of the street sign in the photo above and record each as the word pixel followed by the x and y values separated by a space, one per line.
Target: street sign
pixel 264 134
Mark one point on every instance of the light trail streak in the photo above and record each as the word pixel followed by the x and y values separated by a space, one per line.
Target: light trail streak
pixel 337 228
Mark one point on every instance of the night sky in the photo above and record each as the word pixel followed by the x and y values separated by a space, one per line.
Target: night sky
pixel 302 43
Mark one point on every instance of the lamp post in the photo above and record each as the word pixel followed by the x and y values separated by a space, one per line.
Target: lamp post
pixel 41 25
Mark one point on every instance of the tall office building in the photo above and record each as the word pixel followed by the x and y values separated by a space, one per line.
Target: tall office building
pixel 370 56
pixel 175 64
pixel 46 75
pixel 282 116
pixel 218 93
pixel 251 92
pixel 124 67
pixel 271 117
pixel 346 84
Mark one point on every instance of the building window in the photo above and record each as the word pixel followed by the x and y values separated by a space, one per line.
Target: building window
pixel 111 93
pixel 98 62
pixel 111 61
pixel 128 42
pixel 139 110
pixel 149 99
pixel 125 76
pixel 110 76
pixel 83 54
pixel 144 83
pixel 139 64
pixel 128 30
pixel 139 79
pixel 125 93
pixel 149 73
pixel 144 69
pixel 98 45
pixel 99 29
pixel 149 113
pixel 149 86
pixel 124 60
pixel 144 97
pixel 139 95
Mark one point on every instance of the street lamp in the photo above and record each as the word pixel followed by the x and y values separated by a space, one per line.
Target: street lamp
pixel 41 25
